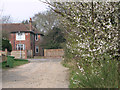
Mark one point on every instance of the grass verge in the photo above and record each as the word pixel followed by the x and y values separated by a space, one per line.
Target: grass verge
pixel 16 62
pixel 72 69
pixel 107 77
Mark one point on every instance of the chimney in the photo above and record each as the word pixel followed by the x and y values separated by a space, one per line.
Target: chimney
pixel 30 23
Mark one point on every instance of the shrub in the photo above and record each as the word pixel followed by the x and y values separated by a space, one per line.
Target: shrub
pixel 92 40
pixel 6 45
pixel 106 76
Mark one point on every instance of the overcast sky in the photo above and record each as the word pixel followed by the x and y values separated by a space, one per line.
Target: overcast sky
pixel 21 9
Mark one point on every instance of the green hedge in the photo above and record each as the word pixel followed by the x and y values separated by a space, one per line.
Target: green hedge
pixel 6 45
pixel 11 62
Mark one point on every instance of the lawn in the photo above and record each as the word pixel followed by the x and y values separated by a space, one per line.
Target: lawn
pixel 16 62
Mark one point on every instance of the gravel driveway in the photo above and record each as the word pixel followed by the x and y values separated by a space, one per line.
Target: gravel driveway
pixel 39 73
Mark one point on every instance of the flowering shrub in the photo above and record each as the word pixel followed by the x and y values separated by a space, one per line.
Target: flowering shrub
pixel 92 40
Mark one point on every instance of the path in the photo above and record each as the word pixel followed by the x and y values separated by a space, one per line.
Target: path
pixel 39 73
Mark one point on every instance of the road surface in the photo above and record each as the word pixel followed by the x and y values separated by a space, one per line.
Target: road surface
pixel 39 73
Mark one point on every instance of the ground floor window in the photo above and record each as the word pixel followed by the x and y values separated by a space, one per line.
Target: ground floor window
pixel 20 47
pixel 37 49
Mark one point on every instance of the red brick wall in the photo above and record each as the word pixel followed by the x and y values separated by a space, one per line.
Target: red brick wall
pixel 53 52
pixel 27 42
pixel 12 40
pixel 37 43
pixel 32 39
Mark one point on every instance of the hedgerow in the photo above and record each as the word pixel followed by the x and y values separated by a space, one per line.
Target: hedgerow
pixel 92 40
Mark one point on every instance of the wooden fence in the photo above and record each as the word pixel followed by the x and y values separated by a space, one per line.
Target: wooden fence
pixel 53 52
pixel 4 58
pixel 3 55
pixel 19 54
pixel 4 52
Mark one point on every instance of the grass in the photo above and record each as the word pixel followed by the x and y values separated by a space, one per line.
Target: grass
pixel 72 69
pixel 107 78
pixel 17 62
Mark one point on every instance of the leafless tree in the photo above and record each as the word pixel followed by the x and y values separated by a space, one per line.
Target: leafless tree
pixel 45 21
pixel 6 19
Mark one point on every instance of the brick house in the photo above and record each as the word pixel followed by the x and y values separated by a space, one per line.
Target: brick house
pixel 25 39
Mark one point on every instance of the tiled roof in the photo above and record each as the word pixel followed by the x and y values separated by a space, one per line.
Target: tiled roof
pixel 14 27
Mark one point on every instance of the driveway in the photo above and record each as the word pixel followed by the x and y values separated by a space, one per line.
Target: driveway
pixel 39 73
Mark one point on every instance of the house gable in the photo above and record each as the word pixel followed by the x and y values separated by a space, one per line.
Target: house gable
pixel 22 37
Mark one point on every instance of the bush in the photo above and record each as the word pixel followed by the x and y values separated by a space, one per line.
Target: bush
pixel 92 41
pixel 10 61
pixel 106 76
pixel 6 45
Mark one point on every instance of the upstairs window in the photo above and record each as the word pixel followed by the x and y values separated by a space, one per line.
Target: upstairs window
pixel 36 37
pixel 20 36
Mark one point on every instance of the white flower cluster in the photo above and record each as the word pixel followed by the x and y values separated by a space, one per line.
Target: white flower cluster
pixel 90 35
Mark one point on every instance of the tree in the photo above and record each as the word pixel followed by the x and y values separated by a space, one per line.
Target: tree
pixel 5 35
pixel 25 22
pixel 6 45
pixel 6 19
pixel 45 21
pixel 54 39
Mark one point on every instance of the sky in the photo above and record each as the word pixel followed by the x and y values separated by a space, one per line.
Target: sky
pixel 20 10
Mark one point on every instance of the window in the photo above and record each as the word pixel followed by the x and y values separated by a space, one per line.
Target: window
pixel 20 36
pixel 37 49
pixel 36 37
pixel 20 47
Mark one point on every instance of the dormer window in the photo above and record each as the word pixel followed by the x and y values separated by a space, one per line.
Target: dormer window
pixel 36 37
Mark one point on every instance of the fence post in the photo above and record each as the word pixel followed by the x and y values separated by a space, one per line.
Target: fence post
pixel 44 52
pixel 6 52
pixel 25 54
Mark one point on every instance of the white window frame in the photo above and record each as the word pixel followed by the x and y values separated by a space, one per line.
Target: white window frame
pixel 20 36
pixel 37 48
pixel 17 46
pixel 36 37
